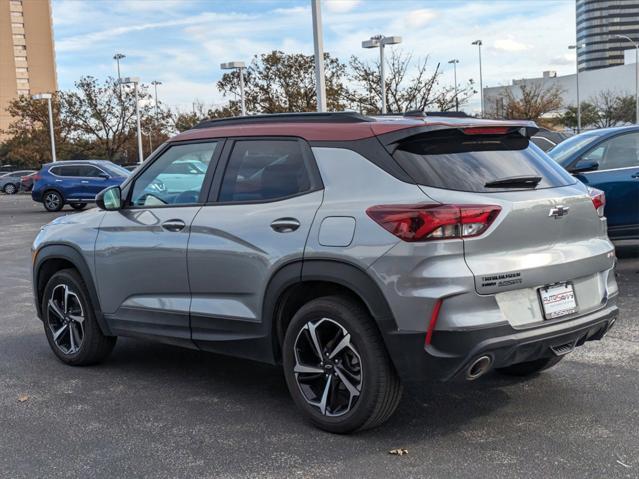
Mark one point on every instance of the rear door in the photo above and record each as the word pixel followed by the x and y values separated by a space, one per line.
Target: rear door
pixel 618 176
pixel 544 234
pixel 262 207
pixel 66 180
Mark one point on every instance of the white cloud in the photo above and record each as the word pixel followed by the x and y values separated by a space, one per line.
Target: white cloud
pixel 341 6
pixel 509 45
pixel 419 18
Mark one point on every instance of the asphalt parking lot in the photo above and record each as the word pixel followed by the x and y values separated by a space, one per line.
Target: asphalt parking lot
pixel 159 411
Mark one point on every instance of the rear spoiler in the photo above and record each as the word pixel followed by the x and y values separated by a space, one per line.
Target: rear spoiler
pixel 469 126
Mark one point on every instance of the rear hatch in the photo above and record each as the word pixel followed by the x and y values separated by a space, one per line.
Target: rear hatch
pixel 546 230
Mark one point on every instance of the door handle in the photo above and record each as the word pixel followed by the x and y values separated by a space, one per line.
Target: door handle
pixel 285 225
pixel 173 225
pixel 84 181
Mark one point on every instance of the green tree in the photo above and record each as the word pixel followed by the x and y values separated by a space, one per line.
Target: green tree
pixel 278 82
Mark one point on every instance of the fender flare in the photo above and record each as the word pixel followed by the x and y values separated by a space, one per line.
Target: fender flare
pixel 73 256
pixel 339 272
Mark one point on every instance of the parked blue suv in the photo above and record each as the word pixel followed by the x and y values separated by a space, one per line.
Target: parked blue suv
pixel 608 159
pixel 74 182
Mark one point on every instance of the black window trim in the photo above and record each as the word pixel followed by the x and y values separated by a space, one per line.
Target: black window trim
pixel 596 145
pixel 127 186
pixel 307 153
pixel 77 164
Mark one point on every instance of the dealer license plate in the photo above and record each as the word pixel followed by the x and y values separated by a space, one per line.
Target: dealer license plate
pixel 558 300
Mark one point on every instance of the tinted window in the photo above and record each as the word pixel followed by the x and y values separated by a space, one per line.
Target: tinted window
pixel 618 152
pixel 159 185
pixel 564 151
pixel 456 161
pixel 260 170
pixel 69 170
pixel 89 171
pixel 117 170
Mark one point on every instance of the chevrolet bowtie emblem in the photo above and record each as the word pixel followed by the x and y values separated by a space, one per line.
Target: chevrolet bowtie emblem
pixel 558 211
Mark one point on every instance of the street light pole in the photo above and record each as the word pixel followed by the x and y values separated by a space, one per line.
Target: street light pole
pixel 576 49
pixel 481 82
pixel 117 57
pixel 136 81
pixel 48 96
pixel 636 45
pixel 239 66
pixel 155 84
pixel 454 61
pixel 380 41
pixel 318 41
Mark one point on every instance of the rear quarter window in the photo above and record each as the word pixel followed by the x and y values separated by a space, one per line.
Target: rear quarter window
pixel 453 160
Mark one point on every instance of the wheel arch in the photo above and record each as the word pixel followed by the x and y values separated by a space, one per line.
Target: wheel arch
pixel 53 258
pixel 297 283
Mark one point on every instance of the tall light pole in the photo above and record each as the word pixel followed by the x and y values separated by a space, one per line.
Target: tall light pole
pixel 380 41
pixel 636 45
pixel 481 82
pixel 454 61
pixel 318 42
pixel 155 84
pixel 239 66
pixel 136 81
pixel 117 57
pixel 48 96
pixel 576 48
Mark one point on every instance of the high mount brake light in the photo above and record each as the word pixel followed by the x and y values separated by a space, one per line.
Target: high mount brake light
pixel 598 198
pixel 487 130
pixel 415 223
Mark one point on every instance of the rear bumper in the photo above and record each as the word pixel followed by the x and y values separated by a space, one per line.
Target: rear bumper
pixel 452 352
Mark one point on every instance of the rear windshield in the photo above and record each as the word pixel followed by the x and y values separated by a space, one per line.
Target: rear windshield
pixel 452 160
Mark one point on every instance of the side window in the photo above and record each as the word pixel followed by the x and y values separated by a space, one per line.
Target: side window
pixel 619 152
pixel 160 185
pixel 70 170
pixel 89 171
pixel 262 170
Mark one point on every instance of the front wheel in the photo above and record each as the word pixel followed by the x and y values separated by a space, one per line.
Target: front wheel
pixel 530 367
pixel 337 368
pixel 78 206
pixel 69 321
pixel 53 201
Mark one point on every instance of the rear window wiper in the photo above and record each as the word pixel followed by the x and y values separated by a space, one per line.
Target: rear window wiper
pixel 514 182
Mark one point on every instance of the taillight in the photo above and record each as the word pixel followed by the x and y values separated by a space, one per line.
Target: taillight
pixel 434 222
pixel 486 130
pixel 598 198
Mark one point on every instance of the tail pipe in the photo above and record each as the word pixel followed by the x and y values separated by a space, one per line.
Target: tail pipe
pixel 479 367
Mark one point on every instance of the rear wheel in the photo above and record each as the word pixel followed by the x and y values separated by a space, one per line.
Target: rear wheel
pixel 10 189
pixel 337 368
pixel 52 201
pixel 78 206
pixel 530 367
pixel 69 321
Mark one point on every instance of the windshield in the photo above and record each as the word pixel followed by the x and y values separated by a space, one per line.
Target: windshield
pixel 565 150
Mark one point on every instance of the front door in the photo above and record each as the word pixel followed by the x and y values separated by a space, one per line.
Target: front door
pixel 260 220
pixel 140 253
pixel 618 176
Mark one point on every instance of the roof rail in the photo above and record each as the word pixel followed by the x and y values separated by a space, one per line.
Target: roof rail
pixel 333 117
pixel 451 114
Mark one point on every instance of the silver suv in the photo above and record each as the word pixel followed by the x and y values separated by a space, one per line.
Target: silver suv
pixel 356 251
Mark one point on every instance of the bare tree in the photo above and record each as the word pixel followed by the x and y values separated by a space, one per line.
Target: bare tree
pixel 406 89
pixel 530 101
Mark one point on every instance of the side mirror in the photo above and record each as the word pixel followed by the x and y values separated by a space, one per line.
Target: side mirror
pixel 104 176
pixel 585 165
pixel 109 199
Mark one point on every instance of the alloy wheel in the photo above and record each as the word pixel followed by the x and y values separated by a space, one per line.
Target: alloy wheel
pixel 52 200
pixel 66 319
pixel 328 368
pixel 10 189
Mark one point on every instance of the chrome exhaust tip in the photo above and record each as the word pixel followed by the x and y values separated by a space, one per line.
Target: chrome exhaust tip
pixel 479 367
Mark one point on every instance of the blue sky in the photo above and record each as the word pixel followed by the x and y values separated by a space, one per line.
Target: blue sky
pixel 183 42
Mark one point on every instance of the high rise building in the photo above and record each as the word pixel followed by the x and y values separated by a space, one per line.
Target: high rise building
pixel 27 57
pixel 597 23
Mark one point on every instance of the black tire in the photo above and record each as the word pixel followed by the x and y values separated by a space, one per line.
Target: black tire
pixel 530 367
pixel 78 206
pixel 52 201
pixel 380 389
pixel 94 346
pixel 10 189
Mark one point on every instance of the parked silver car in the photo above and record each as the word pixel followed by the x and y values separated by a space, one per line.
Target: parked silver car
pixel 10 182
pixel 356 251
